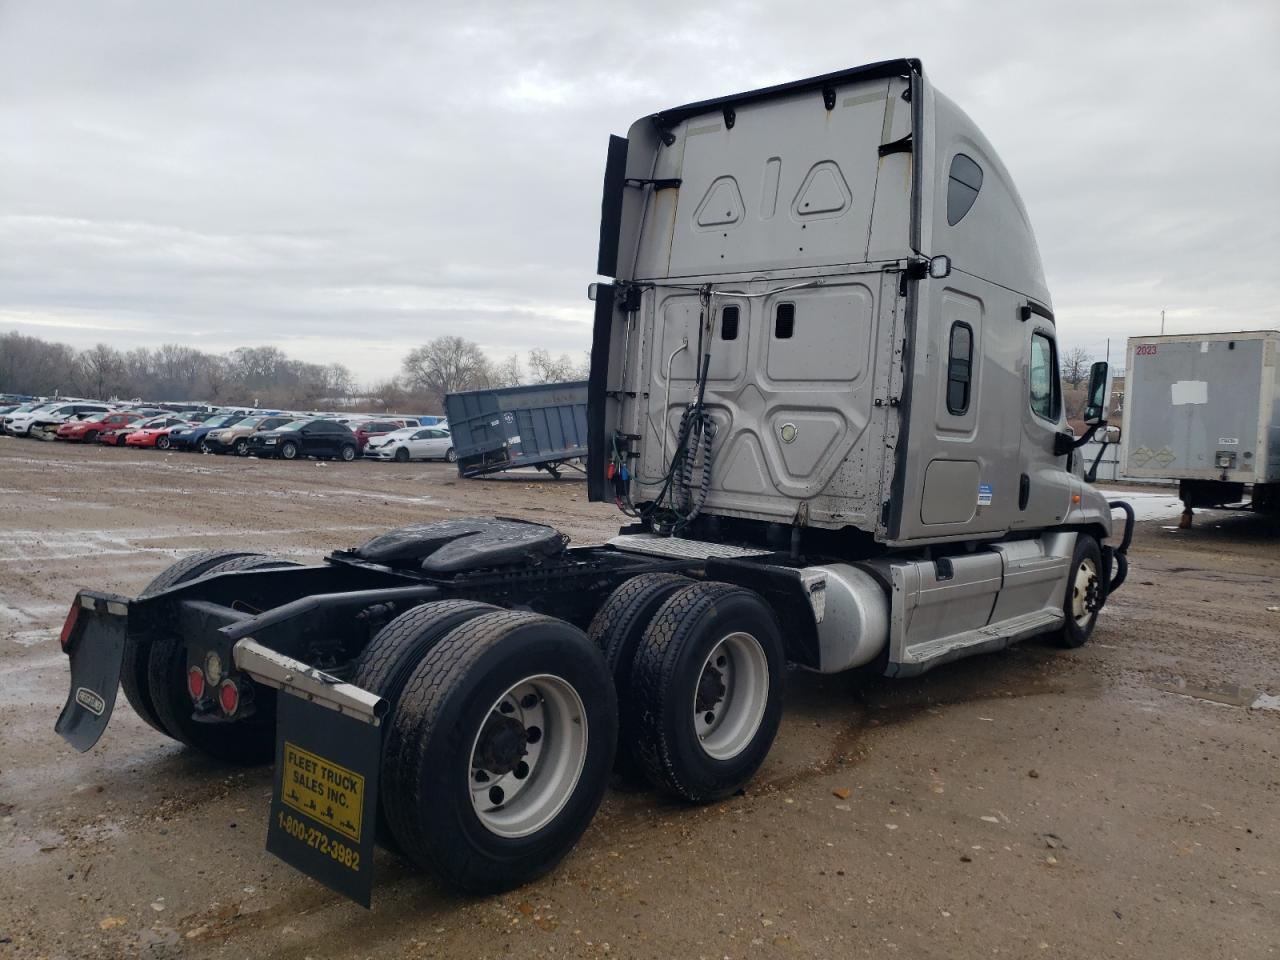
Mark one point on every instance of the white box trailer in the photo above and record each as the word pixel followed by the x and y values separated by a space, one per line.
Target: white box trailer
pixel 1204 409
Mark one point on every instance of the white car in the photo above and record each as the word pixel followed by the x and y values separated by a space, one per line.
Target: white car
pixel 55 413
pixel 412 443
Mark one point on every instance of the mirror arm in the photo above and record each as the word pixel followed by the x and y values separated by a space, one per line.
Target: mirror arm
pixel 1088 435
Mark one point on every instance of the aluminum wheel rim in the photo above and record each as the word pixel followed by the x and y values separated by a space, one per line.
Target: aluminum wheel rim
pixel 730 697
pixel 521 801
pixel 1083 587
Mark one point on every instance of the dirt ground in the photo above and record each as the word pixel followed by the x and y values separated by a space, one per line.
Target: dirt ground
pixel 1121 800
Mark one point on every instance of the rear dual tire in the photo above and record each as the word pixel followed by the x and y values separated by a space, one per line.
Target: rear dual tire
pixel 704 698
pixel 617 630
pixel 153 675
pixel 498 749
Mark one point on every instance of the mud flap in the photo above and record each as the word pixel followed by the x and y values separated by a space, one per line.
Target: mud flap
pixel 96 648
pixel 325 797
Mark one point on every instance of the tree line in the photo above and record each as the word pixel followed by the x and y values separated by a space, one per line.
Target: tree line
pixel 265 376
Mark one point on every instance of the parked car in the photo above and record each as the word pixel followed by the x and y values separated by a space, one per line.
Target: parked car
pixel 115 437
pixel 412 443
pixel 154 433
pixel 44 424
pixel 235 437
pixel 87 430
pixel 18 423
pixel 192 435
pixel 306 438
pixel 21 409
pixel 368 429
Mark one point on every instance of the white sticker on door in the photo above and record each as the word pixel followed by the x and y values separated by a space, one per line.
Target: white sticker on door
pixel 984 494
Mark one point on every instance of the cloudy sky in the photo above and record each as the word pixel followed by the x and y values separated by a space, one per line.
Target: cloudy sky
pixel 347 180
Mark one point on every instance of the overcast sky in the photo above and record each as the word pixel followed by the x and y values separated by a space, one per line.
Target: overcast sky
pixel 349 179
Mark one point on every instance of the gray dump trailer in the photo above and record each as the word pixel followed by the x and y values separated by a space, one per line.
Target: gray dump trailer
pixel 824 393
pixel 1204 409
pixel 543 425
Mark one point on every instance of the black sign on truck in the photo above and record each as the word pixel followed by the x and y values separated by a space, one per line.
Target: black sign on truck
pixel 325 798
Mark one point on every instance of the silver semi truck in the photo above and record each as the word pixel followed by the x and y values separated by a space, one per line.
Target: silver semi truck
pixel 1204 409
pixel 824 391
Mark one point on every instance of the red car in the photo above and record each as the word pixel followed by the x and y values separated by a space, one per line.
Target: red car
pixel 376 428
pixel 153 432
pixel 88 430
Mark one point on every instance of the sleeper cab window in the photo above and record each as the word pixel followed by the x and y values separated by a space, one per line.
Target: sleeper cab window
pixel 959 369
pixel 729 322
pixel 784 321
pixel 963 184
pixel 1046 396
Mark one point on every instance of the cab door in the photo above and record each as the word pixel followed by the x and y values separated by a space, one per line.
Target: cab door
pixel 1044 485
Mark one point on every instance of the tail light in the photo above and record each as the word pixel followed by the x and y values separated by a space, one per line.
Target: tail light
pixel 229 697
pixel 195 683
pixel 69 625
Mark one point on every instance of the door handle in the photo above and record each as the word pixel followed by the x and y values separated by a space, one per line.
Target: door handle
pixel 1024 491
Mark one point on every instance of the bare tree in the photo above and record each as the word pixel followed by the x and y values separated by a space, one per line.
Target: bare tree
pixel 508 373
pixel 100 371
pixel 32 365
pixel 1075 365
pixel 544 368
pixel 446 365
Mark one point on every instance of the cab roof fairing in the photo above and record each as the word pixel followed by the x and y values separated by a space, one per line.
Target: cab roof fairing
pixel 646 159
pixel 994 240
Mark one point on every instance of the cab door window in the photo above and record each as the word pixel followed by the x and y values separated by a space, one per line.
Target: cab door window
pixel 1046 393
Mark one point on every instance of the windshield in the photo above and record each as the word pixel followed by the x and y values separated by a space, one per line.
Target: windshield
pixel 154 422
pixel 296 425
pixel 248 422
pixel 220 421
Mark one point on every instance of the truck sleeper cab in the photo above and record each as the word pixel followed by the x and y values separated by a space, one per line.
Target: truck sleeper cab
pixel 823 389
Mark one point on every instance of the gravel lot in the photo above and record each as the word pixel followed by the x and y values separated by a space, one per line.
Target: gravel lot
pixel 1120 800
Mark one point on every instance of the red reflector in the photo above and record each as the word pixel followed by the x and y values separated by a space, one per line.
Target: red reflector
pixel 69 625
pixel 195 683
pixel 228 697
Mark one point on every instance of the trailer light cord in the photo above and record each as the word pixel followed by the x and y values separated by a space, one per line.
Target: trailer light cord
pixel 676 505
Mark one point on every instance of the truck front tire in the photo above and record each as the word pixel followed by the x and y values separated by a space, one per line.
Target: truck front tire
pixel 1086 591
pixel 705 695
pixel 507 731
